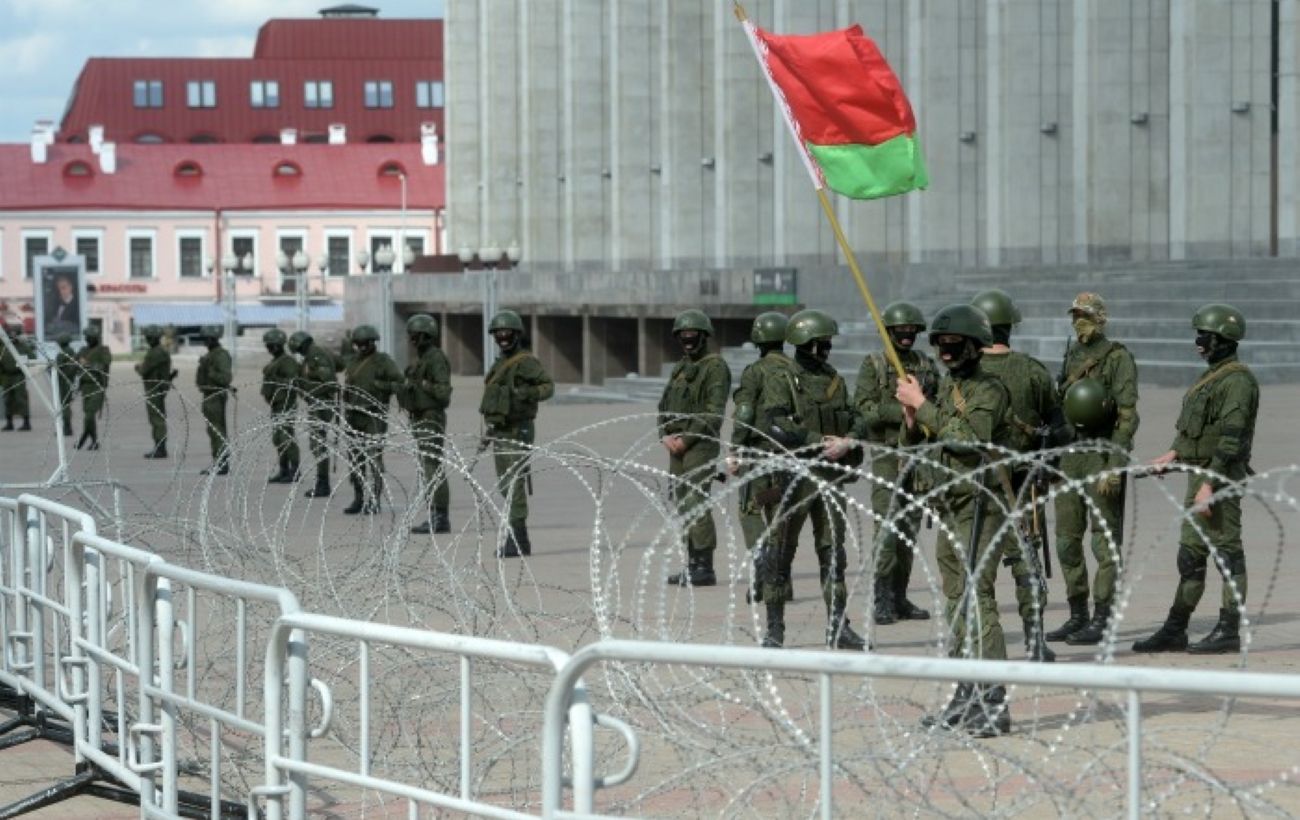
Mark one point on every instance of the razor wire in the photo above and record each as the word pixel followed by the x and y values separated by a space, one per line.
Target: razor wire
pixel 714 742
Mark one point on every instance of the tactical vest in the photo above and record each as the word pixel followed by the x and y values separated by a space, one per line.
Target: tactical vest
pixel 822 407
pixel 498 405
pixel 684 394
pixel 1200 433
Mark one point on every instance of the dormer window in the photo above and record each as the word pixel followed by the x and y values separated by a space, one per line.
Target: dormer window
pixel 391 168
pixel 188 168
pixel 287 168
pixel 77 168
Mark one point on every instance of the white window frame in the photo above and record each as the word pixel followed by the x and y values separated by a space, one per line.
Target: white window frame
pixel 399 265
pixel 200 234
pixel 245 233
pixel 141 233
pixel 96 234
pixel 382 233
pixel 34 233
pixel 280 235
pixel 341 233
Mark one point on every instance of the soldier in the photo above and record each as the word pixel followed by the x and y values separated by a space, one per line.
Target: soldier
pixel 157 374
pixel 759 496
pixel 213 378
pixel 370 381
pixel 347 352
pixel 13 380
pixel 426 397
pixel 883 415
pixel 1033 405
pixel 970 412
pixel 513 386
pixel 279 389
pixel 807 410
pixel 1215 431
pixel 94 361
pixel 1112 366
pixel 320 390
pixel 65 366
pixel 690 427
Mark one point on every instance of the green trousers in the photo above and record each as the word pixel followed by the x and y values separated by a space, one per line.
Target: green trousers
pixel 283 436
pixel 1020 555
pixel 429 441
pixel 810 499
pixel 320 420
pixel 985 636
pixel 213 407
pixel 155 404
pixel 1222 531
pixel 692 471
pixel 1073 517
pixel 760 498
pixel 365 451
pixel 15 396
pixel 896 533
pixel 92 402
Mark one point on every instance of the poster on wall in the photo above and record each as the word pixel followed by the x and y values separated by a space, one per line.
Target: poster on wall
pixel 60 296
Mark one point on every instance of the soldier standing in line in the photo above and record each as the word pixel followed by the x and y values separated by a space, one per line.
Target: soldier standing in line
pixel 65 366
pixel 1215 432
pixel 370 380
pixel 807 410
pixel 1033 405
pixel 279 389
pixel 514 385
pixel 157 374
pixel 969 413
pixel 426 397
pixel 320 390
pixel 875 401
pixel 1112 366
pixel 690 428
pixel 13 381
pixel 758 496
pixel 213 377
pixel 94 361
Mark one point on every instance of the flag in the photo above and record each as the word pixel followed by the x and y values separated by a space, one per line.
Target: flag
pixel 846 110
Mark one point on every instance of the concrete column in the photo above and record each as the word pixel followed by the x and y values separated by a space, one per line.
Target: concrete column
pixel 1288 146
pixel 993 238
pixel 588 345
pixel 642 346
pixel 1082 128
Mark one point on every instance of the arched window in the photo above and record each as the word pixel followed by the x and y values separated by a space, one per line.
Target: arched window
pixel 150 138
pixel 391 168
pixel 287 168
pixel 188 168
pixel 77 168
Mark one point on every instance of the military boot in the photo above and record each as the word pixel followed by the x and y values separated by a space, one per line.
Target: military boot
pixel 292 473
pixel 1223 638
pixel 516 538
pixel 373 494
pixel 322 488
pixel 220 468
pixel 774 637
pixel 27 424
pixel 1095 630
pixel 1170 637
pixel 698 572
pixel 1036 648
pixel 67 428
pixel 1078 620
pixel 839 635
pixel 159 451
pixel 955 712
pixel 441 520
pixel 357 498
pixel 884 613
pixel 905 609
pixel 988 715
pixel 82 441
pixel 279 476
pixel 9 424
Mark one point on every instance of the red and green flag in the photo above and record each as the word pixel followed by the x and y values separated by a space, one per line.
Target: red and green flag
pixel 846 110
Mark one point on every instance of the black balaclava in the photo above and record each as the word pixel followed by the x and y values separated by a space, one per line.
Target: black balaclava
pixel 964 356
pixel 1002 335
pixel 507 340
pixel 692 341
pixel 1213 347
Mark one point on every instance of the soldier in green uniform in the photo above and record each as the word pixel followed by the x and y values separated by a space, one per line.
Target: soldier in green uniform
pixel 970 412
pixel 1034 405
pixel 347 352
pixel 806 409
pixel 760 495
pixel 213 377
pixel 875 400
pixel 65 365
pixel 426 397
pixel 279 389
pixel 690 427
pixel 13 380
pixel 370 380
pixel 1215 431
pixel 157 374
pixel 514 385
pixel 320 390
pixel 1111 365
pixel 94 361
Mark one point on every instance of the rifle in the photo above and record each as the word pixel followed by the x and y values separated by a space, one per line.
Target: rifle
pixel 1037 480
pixel 1064 374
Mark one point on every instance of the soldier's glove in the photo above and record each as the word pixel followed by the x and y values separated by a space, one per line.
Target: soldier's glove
pixel 1110 486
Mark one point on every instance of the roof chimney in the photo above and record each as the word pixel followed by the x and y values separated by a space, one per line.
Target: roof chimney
pixel 288 136
pixel 108 158
pixel 429 143
pixel 96 138
pixel 47 128
pixel 38 145
pixel 338 134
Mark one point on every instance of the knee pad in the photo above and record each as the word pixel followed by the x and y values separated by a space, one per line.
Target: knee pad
pixel 1191 567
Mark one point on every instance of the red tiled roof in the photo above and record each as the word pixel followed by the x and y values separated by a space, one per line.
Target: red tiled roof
pixel 234 177
pixel 349 39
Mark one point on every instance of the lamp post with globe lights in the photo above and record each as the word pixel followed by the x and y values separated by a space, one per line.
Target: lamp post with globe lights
pixel 384 258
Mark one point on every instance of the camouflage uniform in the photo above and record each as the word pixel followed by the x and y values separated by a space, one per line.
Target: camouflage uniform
pixel 279 390
pixel 426 396
pixel 213 378
pixel 320 390
pixel 65 365
pixel 94 361
pixel 156 373
pixel 370 381
pixel 13 382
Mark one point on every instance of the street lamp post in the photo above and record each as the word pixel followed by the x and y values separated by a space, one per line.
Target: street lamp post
pixel 490 256
pixel 384 259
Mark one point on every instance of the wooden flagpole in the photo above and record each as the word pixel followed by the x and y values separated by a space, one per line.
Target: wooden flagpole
pixel 890 352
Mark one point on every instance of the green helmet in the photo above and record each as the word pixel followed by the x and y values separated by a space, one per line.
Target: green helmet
pixel 506 320
pixel 212 331
pixel 903 313
pixel 769 328
pixel 1225 320
pixel 422 323
pixel 962 320
pixel 807 325
pixel 274 336
pixel 998 306
pixel 64 339
pixel 298 340
pixel 91 332
pixel 151 332
pixel 692 320
pixel 1088 406
pixel 364 333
